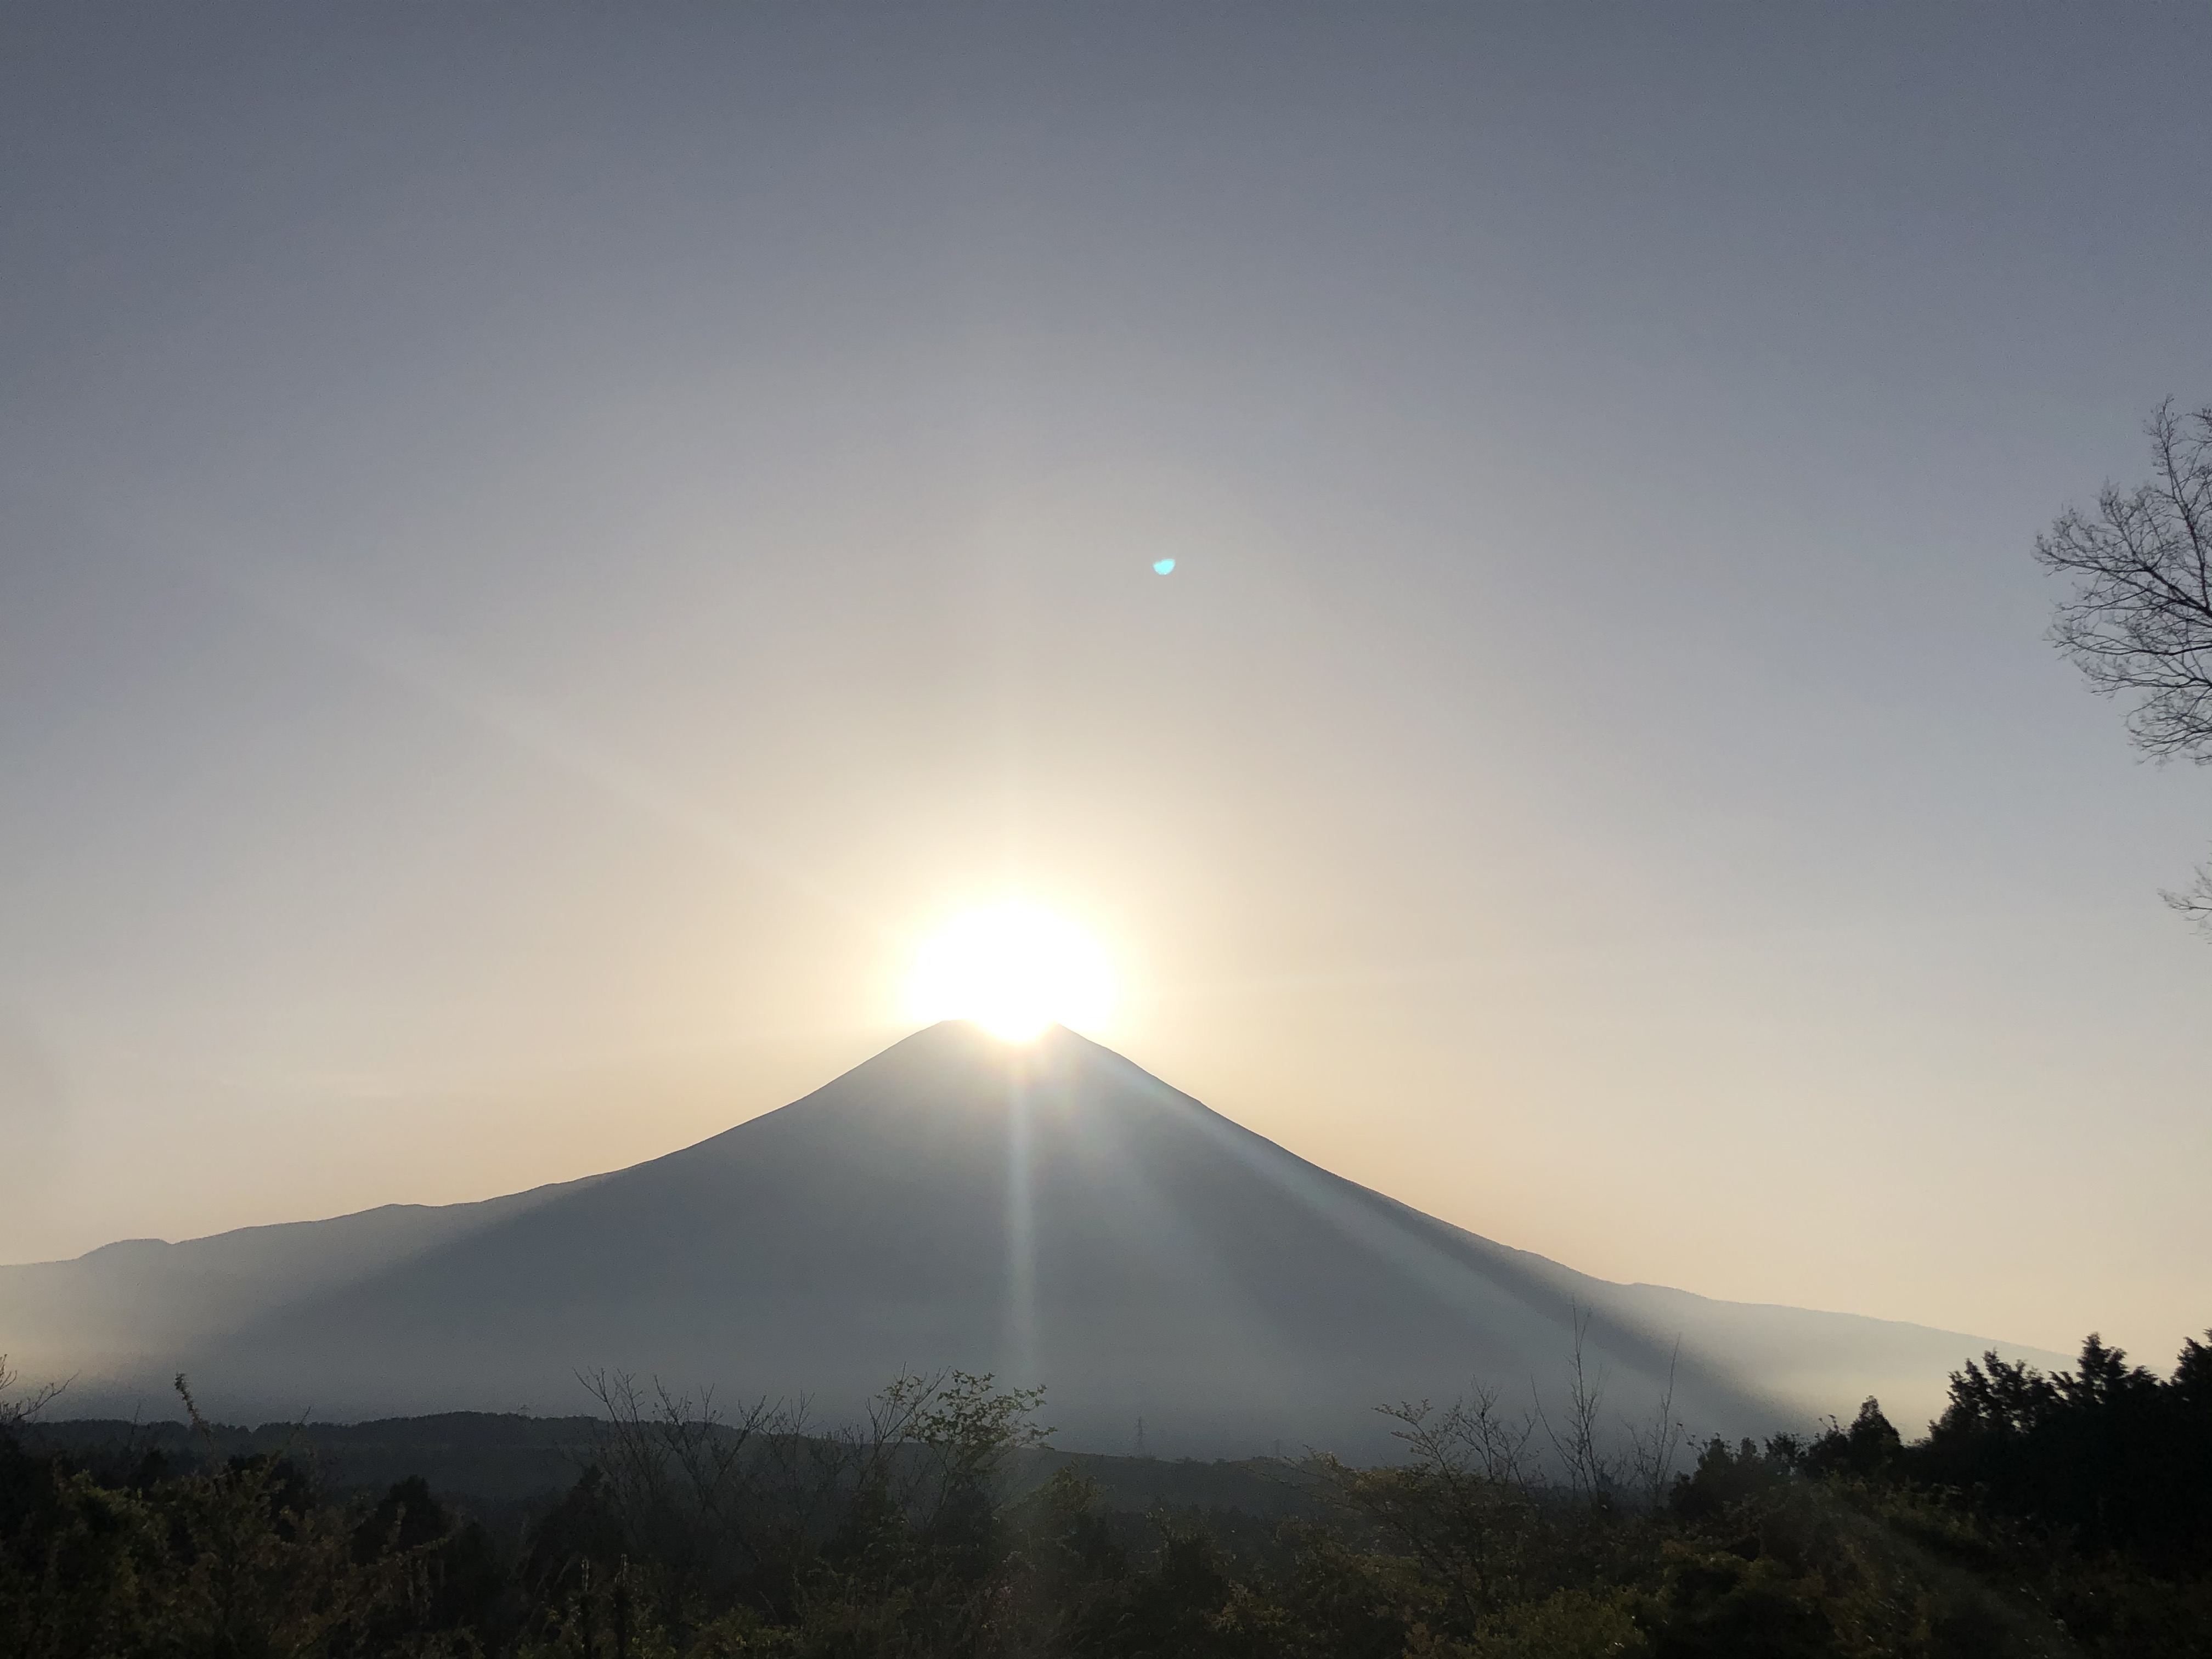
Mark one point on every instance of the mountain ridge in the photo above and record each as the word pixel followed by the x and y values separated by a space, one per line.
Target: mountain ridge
pixel 1054 1214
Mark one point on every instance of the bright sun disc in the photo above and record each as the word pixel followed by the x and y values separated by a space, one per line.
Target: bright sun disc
pixel 1012 968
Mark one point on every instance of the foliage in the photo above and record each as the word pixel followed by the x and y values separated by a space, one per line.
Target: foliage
pixel 2109 1453
pixel 235 1560
pixel 2042 1516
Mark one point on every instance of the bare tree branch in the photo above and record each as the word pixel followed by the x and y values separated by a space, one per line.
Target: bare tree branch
pixel 1592 1475
pixel 1654 1447
pixel 17 1411
pixel 2194 902
pixel 2138 621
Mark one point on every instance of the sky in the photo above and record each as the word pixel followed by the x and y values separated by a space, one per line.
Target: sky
pixel 542 548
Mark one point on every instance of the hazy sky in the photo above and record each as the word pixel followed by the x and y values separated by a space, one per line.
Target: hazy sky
pixel 544 545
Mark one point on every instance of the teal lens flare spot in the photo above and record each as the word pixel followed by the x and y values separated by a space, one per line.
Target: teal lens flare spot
pixel 1163 566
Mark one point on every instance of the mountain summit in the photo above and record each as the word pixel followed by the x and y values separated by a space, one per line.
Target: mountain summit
pixel 1050 1212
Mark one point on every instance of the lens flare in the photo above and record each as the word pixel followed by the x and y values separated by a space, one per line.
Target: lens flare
pixel 1014 969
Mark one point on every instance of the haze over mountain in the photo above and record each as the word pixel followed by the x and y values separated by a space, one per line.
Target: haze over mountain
pixel 1050 1212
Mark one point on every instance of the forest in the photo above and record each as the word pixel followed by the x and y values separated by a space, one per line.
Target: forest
pixel 2041 1513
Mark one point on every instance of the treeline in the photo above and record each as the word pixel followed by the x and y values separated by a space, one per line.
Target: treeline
pixel 2060 1514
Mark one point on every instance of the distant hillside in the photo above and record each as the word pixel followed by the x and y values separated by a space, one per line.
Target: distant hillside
pixel 1050 1214
pixel 121 1303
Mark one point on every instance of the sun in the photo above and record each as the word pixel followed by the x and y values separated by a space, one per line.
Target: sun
pixel 1014 969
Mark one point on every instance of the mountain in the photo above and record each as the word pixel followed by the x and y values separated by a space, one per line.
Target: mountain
pixel 98 1314
pixel 1050 1214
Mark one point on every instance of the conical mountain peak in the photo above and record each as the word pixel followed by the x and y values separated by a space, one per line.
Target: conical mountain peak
pixel 1048 1212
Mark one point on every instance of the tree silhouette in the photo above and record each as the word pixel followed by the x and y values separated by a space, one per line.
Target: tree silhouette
pixel 2138 621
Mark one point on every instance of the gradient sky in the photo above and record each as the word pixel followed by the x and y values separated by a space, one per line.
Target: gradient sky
pixel 541 546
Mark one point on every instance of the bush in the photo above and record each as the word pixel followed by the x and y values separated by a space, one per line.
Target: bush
pixel 2042 1516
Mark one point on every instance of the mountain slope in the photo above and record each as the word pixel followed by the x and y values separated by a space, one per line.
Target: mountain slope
pixel 1050 1214
pixel 143 1297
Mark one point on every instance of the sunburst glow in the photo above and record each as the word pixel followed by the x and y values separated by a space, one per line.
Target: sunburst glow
pixel 1013 968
